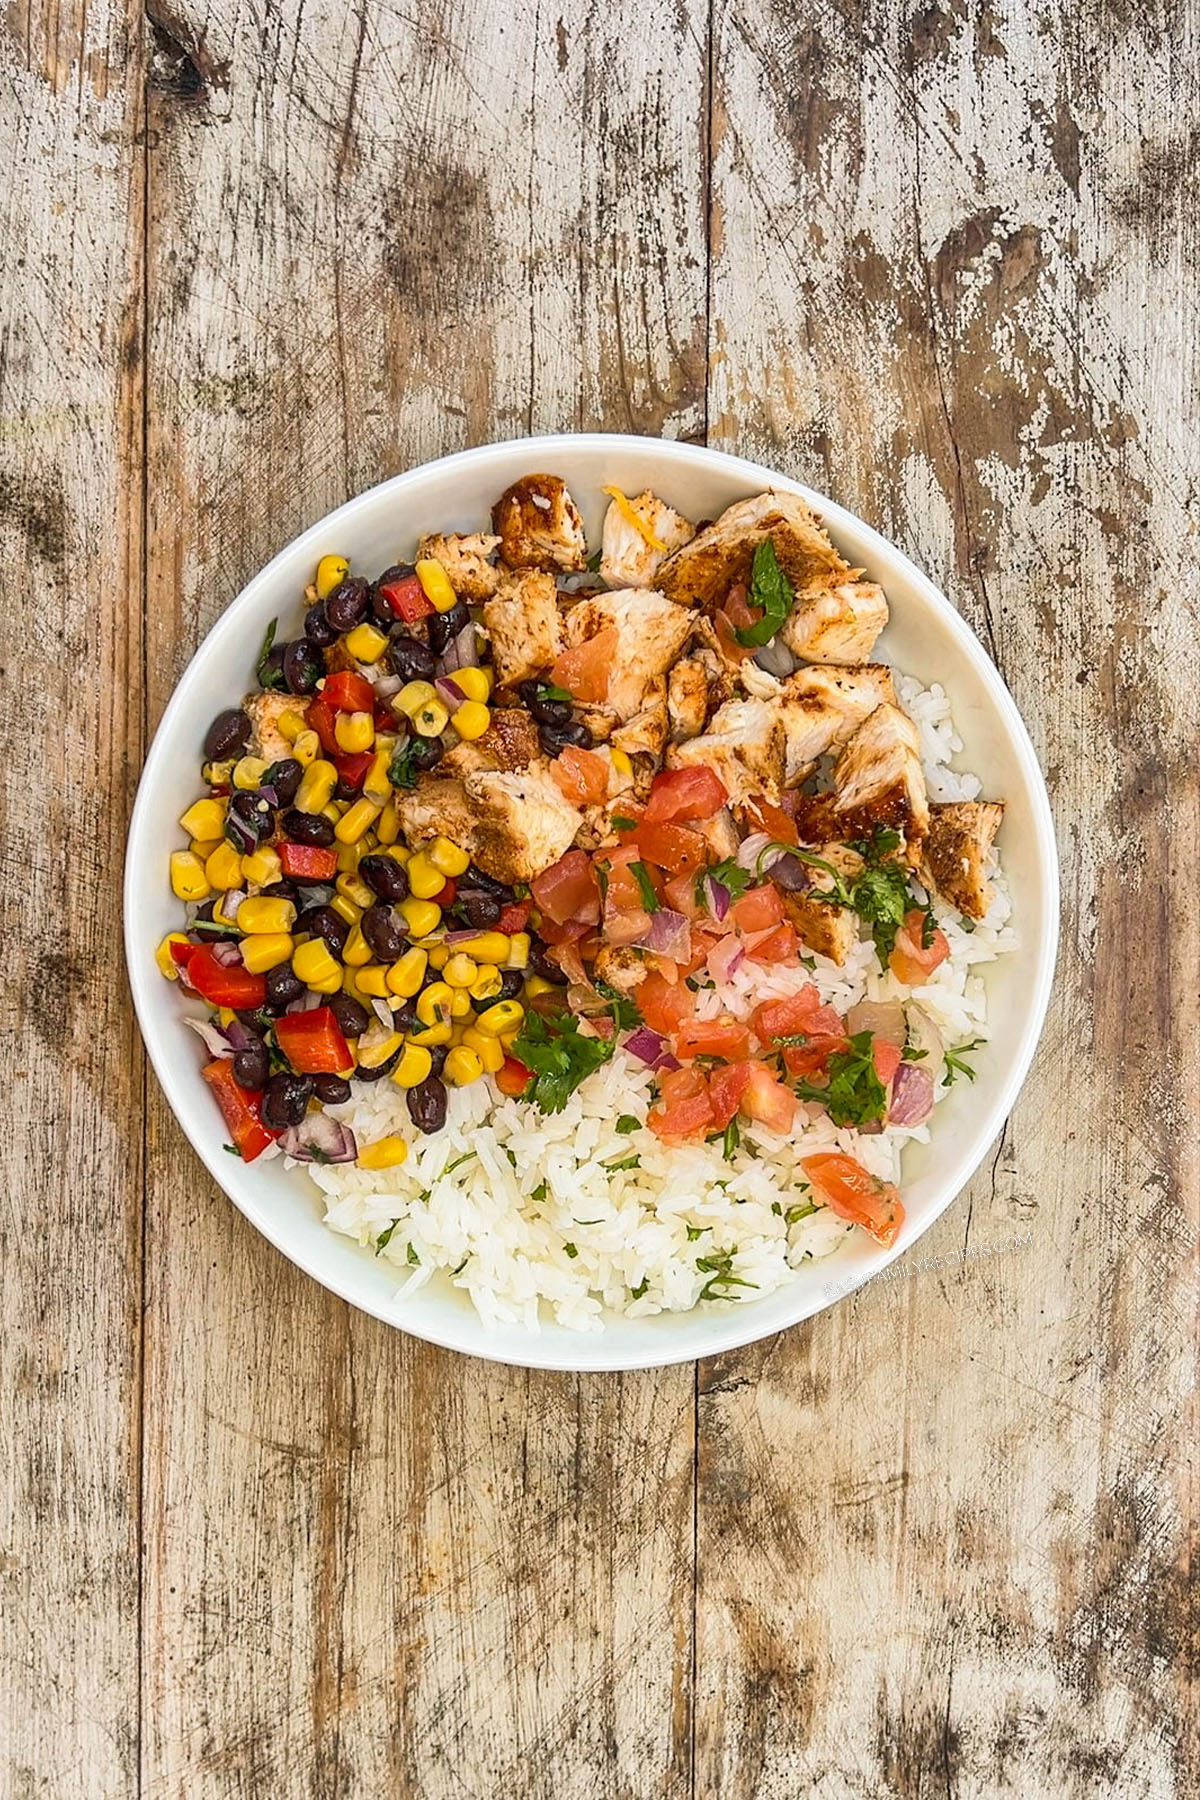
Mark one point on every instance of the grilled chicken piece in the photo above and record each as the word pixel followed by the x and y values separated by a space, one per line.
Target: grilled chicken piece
pixel 630 557
pixel 646 732
pixel 837 625
pixel 465 556
pixel 831 931
pixel 878 780
pixel 719 833
pixel 652 632
pixel 744 746
pixel 820 707
pixel 523 623
pixel 265 710
pixel 620 966
pixel 512 823
pixel 696 686
pixel 955 850
pixel 539 525
pixel 702 573
pixel 510 742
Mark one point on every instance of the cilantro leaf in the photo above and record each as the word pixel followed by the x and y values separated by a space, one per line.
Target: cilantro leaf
pixel 855 1095
pixel 593 561
pixel 559 1056
pixel 771 590
pixel 402 770
pixel 729 873
pixel 267 676
pixel 571 1251
pixel 627 1123
pixel 620 823
pixel 547 691
pixel 624 1009
pixel 626 1162
pixel 641 875
pixel 956 1063
pixel 385 1236
pixel 641 1287
pixel 719 1268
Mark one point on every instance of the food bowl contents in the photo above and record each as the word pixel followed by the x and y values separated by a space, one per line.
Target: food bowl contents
pixel 595 929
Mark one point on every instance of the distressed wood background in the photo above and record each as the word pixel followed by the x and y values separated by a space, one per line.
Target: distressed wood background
pixel 938 259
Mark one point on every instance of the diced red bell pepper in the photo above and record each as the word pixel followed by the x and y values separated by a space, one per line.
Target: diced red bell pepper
pixel 240 1109
pixel 225 984
pixel 182 953
pixel 447 894
pixel 407 599
pixel 513 1077
pixel 353 768
pixel 514 918
pixel 313 1042
pixel 307 862
pixel 322 719
pixel 348 691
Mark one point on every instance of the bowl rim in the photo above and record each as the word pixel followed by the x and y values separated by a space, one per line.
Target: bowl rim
pixel 726 1332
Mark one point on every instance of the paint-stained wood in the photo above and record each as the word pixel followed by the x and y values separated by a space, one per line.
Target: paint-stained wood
pixel 938 259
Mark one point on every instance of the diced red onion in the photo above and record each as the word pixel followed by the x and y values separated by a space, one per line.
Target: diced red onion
pixel 319 1138
pixel 238 1034
pixel 231 902
pixel 884 1019
pixel 646 1045
pixel 725 958
pixel 924 1035
pixel 308 1002
pixel 789 873
pixel 751 848
pixel 462 652
pixel 776 659
pixel 667 1061
pixel 387 686
pixel 602 1026
pixel 269 794
pixel 226 952
pixel 449 690
pixel 668 934
pixel 215 1041
pixel 912 1095
pixel 717 896
pixel 461 937
pixel 240 834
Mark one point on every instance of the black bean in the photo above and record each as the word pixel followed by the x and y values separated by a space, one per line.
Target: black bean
pixel 427 1104
pixel 254 813
pixel 323 922
pixel 511 983
pixel 347 606
pixel 475 878
pixel 444 626
pixel 437 1057
pixel 285 1100
pixel 385 877
pixel 544 710
pixel 542 964
pixel 317 629
pixel 302 667
pixel 331 1090
pixel 361 1074
pixel 227 736
pixel 344 789
pixel 283 987
pixel 426 752
pixel 285 777
pixel 404 1016
pixel 307 828
pixel 479 908
pixel 384 932
pixel 411 659
pixel 252 1066
pixel 555 738
pixel 281 890
pixel 351 1015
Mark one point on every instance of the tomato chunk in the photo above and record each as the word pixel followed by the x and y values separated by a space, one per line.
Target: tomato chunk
pixel 767 1100
pixel 800 1012
pixel 581 775
pixel 857 1195
pixel 671 847
pixel 584 671
pixel 407 598
pixel 567 889
pixel 684 1109
pixel 512 1078
pixel 513 918
pixel 778 946
pixel 680 794
pixel 307 862
pixel 887 1059
pixel 665 1005
pixel 313 1042
pixel 225 984
pixel 758 909
pixel 348 691
pixel 712 1037
pixel 912 961
pixel 726 1085
pixel 239 1109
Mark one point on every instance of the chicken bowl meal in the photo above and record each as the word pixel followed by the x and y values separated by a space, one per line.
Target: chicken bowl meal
pixel 589 923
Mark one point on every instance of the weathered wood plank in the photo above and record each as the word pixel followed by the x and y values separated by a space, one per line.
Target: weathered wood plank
pixel 944 1531
pixel 70 535
pixel 372 1567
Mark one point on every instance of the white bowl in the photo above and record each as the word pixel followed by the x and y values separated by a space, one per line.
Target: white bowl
pixel 926 638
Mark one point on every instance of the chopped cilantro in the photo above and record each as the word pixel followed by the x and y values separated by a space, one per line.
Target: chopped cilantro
pixel 511 1155
pixel 594 560
pixel 966 924
pixel 601 872
pixel 459 1161
pixel 571 1251
pixel 641 875
pixel 620 823
pixel 855 1095
pixel 626 1162
pixel 539 1193
pixel 641 1287
pixel 402 770
pixel 385 1236
pixel 267 676
pixel 729 873
pixel 627 1123
pixel 730 1139
pixel 908 1054
pixel 719 1269
pixel 697 1231
pixel 626 1015
pixel 795 1213
pixel 559 1056
pixel 232 1150
pixel 412 1256
pixel 956 1063
pixel 770 590
pixel 879 893
pixel 547 691
pixel 928 927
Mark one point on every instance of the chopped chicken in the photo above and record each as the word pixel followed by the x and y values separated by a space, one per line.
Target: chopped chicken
pixel 831 931
pixel 652 632
pixel 696 686
pixel 510 742
pixel 820 707
pixel 955 850
pixel 646 732
pixel 620 966
pixel 638 534
pixel 539 525
pixel 465 556
pixel 837 625
pixel 338 657
pixel 512 823
pixel 523 623
pixel 265 710
pixel 719 833
pixel 702 573
pixel 745 747
pixel 878 779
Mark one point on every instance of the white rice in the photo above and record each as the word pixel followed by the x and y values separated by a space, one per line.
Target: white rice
pixel 525 1211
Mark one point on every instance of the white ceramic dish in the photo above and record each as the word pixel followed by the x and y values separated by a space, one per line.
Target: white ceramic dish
pixel 926 638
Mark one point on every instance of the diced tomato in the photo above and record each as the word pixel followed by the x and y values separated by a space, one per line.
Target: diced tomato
pixel 726 1085
pixel 567 889
pixel 622 890
pixel 910 961
pixel 348 691
pixel 514 917
pixel 857 1195
pixel 624 925
pixel 321 718
pixel 353 768
pixel 685 1109
pixel 581 775
pixel 672 847
pixel 712 1037
pixel 512 1077
pixel 447 894
pixel 767 1100
pixel 307 862
pixel 181 954
pixel 811 1057
pixel 313 1042
pixel 584 671
pixel 665 1005
pixel 737 609
pixel 553 933
pixel 773 819
pixel 239 1109
pixel 887 1059
pixel 680 895
pixel 225 984
pixel 677 795
pixel 799 1012
pixel 728 640
pixel 778 946
pixel 407 598
pixel 758 909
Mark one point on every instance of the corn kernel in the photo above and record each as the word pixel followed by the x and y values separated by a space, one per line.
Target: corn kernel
pixel 376 785
pixel 373 1056
pixel 365 643
pixel 421 916
pixel 432 719
pixel 471 720
pixel 460 1003
pixel 424 880
pixel 166 962
pixel 313 962
pixel 188 880
pixel 331 572
pixel 248 772
pixel 348 857
pixel 260 913
pixel 498 1021
pixel 316 786
pixel 262 867
pixel 217 774
pixel 463 1066
pixel 266 952
pixel 490 1051
pixel 290 724
pixel 433 1003
pixel 357 952
pixel 518 950
pixel 406 974
pixel 224 868
pixel 487 947
pixel 372 979
pixel 354 731
pixel 205 819
pixel 331 984
pixel 413 696
pixel 460 971
pixel 351 826
pixel 447 857
pixel 414 1065
pixel 333 811
pixel 384 1153
pixel 487 983
pixel 437 953
pixel 431 1035
pixel 387 825
pixel 306 749
pixel 436 583
pixel 399 854
pixel 356 889
pixel 202 848
pixel 346 909
pixel 474 684
pixel 621 763
pixel 537 984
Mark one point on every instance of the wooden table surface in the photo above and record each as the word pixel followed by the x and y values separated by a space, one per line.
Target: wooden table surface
pixel 939 260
